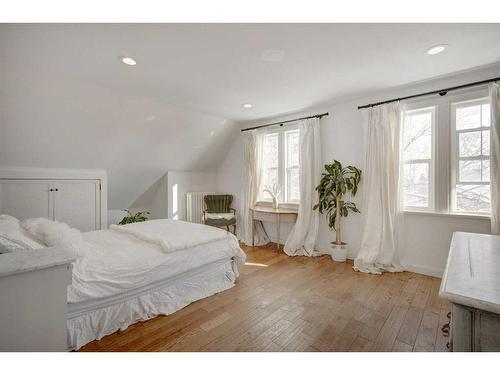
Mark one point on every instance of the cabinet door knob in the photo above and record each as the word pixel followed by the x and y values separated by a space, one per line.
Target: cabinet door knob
pixel 57 189
pixel 51 189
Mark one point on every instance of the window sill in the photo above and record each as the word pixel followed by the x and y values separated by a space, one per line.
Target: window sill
pixel 293 206
pixel 447 214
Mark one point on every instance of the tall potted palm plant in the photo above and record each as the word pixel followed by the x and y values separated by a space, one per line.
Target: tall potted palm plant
pixel 336 182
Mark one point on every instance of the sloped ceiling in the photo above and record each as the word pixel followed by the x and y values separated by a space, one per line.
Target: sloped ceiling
pixel 52 121
pixel 66 100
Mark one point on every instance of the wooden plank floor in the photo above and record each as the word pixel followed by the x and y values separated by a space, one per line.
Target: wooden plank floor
pixel 283 303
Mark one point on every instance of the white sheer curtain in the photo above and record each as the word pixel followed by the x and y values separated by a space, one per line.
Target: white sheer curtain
pixel 381 208
pixel 302 238
pixel 495 157
pixel 252 161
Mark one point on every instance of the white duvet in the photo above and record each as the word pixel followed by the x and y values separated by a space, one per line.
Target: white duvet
pixel 116 261
pixel 173 235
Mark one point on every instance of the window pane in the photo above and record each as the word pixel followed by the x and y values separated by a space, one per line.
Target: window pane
pixel 270 162
pixel 486 142
pixel 417 136
pixel 292 140
pixel 270 157
pixel 486 170
pixel 468 117
pixel 469 144
pixel 469 170
pixel 485 115
pixel 293 184
pixel 270 177
pixel 416 185
pixel 473 198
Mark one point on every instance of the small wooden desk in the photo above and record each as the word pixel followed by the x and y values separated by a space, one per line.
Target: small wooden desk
pixel 272 214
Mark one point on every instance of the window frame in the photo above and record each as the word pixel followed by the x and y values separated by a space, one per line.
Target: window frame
pixel 444 149
pixel 430 162
pixel 455 157
pixel 282 132
pixel 261 198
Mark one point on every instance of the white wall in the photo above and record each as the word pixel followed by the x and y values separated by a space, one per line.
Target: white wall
pixel 166 198
pixel 179 183
pixel 230 173
pixel 342 138
pixel 154 199
pixel 428 237
pixel 115 216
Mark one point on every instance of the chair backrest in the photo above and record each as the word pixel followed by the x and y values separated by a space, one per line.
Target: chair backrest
pixel 218 204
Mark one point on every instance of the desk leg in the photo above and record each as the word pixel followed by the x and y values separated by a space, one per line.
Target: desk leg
pixel 278 232
pixel 253 231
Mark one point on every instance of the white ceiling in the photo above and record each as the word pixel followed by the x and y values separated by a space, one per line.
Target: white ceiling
pixel 215 68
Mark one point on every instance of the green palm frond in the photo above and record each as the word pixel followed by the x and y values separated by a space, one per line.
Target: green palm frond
pixel 134 218
pixel 336 182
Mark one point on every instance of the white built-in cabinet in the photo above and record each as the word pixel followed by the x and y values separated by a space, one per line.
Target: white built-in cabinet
pixel 78 200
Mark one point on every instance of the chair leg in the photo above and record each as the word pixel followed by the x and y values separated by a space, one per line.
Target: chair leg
pixel 227 228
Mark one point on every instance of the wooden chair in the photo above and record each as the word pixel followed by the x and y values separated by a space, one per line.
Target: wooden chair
pixel 219 212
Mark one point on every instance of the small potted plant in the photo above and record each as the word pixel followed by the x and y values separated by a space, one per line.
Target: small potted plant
pixel 131 218
pixel 335 183
pixel 274 191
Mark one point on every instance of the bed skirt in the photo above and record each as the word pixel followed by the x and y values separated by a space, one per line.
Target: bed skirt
pixel 95 319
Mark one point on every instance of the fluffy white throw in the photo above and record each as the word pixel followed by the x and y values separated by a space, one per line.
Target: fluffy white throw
pixel 54 233
pixel 173 235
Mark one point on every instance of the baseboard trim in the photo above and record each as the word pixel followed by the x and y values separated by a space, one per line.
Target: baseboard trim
pixel 435 272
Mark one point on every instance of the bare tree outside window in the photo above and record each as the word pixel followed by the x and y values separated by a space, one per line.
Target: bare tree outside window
pixel 417 157
pixel 280 164
pixel 472 138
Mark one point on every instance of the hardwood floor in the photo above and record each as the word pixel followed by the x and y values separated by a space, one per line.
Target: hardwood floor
pixel 283 303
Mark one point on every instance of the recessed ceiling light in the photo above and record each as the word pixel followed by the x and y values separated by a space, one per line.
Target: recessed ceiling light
pixel 128 61
pixel 436 49
pixel 247 105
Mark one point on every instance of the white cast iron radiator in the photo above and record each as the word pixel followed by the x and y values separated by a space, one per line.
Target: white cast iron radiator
pixel 195 205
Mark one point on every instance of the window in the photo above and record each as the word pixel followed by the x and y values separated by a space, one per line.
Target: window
pixel 280 164
pixel 471 157
pixel 445 154
pixel 418 158
pixel 270 162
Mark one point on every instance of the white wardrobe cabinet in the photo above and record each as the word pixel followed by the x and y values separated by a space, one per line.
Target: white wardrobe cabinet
pixel 76 202
pixel 79 202
pixel 26 198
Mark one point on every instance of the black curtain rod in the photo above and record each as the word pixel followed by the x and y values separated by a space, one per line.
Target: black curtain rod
pixel 287 121
pixel 441 92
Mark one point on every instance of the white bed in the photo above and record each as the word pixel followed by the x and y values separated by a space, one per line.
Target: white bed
pixel 133 273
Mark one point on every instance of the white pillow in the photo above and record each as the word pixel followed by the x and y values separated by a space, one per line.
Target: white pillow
pixel 50 232
pixel 10 227
pixel 9 245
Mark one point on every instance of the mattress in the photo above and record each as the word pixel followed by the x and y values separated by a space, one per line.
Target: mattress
pixel 122 279
pixel 116 263
pixel 80 308
pixel 94 319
